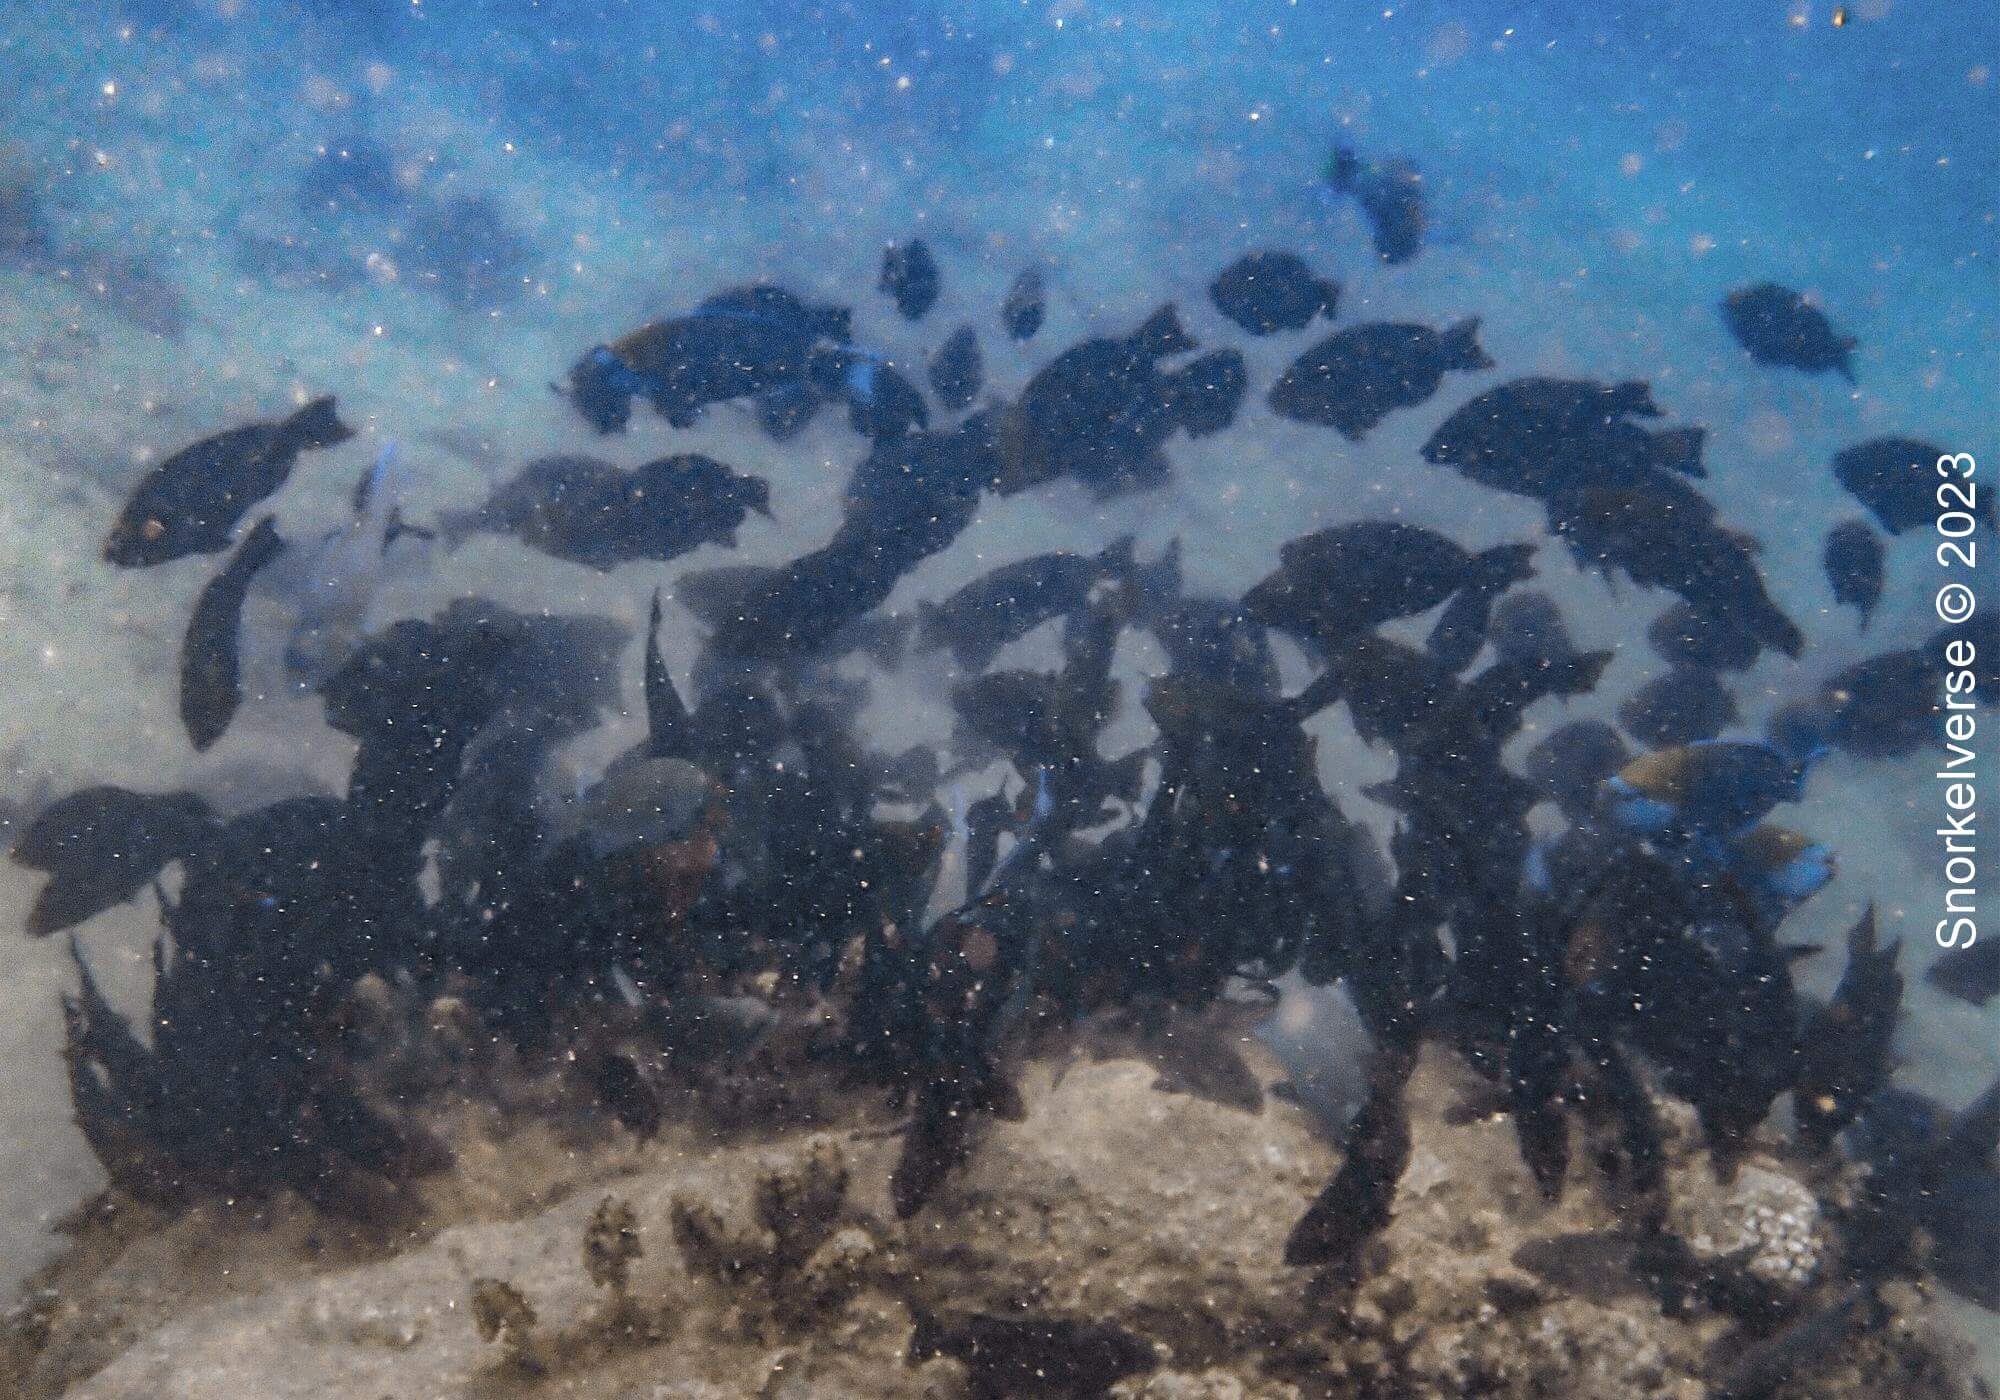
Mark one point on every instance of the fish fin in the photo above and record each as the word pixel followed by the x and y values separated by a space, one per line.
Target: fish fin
pixel 667 721
pixel 1460 348
pixel 1329 297
pixel 1501 567
pixel 317 425
pixel 1160 334
pixel 1633 398
pixel 1679 450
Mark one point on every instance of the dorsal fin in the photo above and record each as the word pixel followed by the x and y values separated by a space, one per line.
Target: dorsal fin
pixel 667 724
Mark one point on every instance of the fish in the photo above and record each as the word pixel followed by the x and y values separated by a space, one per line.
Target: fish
pixel 1031 1355
pixel 1391 195
pixel 1344 580
pixel 1011 601
pixel 1571 765
pixel 102 845
pixel 881 401
pixel 1542 438
pixel 1844 1046
pixel 1721 787
pixel 589 512
pixel 955 370
pixel 1355 378
pixel 1025 305
pixel 1854 567
pixel 1778 868
pixel 910 277
pixel 1679 707
pixel 1885 706
pixel 192 502
pixel 1102 410
pixel 650 802
pixel 1528 627
pixel 342 572
pixel 1897 479
pixel 1686 636
pixel 1971 973
pixel 211 686
pixel 1778 326
pixel 1267 292
pixel 747 342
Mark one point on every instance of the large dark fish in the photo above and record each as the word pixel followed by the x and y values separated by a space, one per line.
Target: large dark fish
pixel 910 277
pixel 1013 600
pixel 1678 708
pixel 1348 579
pixel 1886 706
pixel 747 342
pixel 191 503
pixel 1844 1045
pixel 210 671
pixel 1541 437
pixel 1269 292
pixel 102 845
pixel 1780 327
pixel 1897 479
pixel 1390 194
pixel 1854 567
pixel 1355 378
pixel 1102 410
pixel 593 513
pixel 1684 635
pixel 1570 766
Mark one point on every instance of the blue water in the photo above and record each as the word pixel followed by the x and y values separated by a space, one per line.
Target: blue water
pixel 1599 177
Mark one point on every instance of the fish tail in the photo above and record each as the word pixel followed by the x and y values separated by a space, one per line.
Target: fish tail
pixel 1503 565
pixel 1329 297
pixel 1680 450
pixel 317 425
pixel 1461 346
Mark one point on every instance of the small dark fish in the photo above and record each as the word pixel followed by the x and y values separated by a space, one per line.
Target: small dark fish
pixel 1844 1045
pixel 1678 708
pixel 1348 579
pixel 1355 378
pixel 1685 636
pixel 1897 479
pixel 1970 974
pixel 1391 194
pixel 191 503
pixel 910 276
pixel 1269 292
pixel 1015 1358
pixel 1026 304
pixel 1854 567
pixel 1528 627
pixel 210 675
pixel 592 513
pixel 1573 762
pixel 1013 600
pixel 956 371
pixel 1780 327
pixel 1885 706
pixel 102 845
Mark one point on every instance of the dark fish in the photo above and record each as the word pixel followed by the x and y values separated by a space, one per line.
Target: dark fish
pixel 1844 1045
pixel 1269 292
pixel 1678 708
pixel 1780 327
pixel 1644 533
pixel 590 512
pixel 1528 627
pixel 1970 974
pixel 1854 567
pixel 1570 766
pixel 191 503
pixel 1886 706
pixel 955 370
pixel 1348 579
pixel 1031 1355
pixel 881 401
pixel 1102 410
pixel 102 845
pixel 1685 636
pixel 1542 437
pixel 910 276
pixel 1897 479
pixel 1358 1202
pixel 1391 195
pixel 1355 378
pixel 1013 600
pixel 748 342
pixel 210 677
pixel 1026 304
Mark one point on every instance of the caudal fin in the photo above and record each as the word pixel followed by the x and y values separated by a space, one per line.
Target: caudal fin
pixel 1460 347
pixel 1502 566
pixel 1679 450
pixel 1160 334
pixel 317 425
